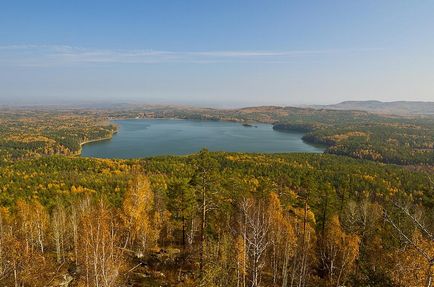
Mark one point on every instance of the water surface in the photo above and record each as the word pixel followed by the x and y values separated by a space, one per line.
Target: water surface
pixel 150 137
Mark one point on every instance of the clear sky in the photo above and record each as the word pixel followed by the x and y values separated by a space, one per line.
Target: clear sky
pixel 219 53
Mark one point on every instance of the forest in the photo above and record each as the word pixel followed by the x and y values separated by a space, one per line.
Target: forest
pixel 30 133
pixel 216 143
pixel 214 218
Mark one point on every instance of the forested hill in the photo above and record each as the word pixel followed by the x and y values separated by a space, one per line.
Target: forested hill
pixel 391 108
pixel 30 133
pixel 393 140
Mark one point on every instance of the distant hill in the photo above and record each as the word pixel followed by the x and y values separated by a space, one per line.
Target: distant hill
pixel 397 108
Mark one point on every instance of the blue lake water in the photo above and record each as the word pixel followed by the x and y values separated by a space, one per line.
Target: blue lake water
pixel 150 137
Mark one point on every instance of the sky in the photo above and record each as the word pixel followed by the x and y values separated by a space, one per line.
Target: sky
pixel 219 53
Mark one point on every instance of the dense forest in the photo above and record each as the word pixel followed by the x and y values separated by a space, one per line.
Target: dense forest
pixel 215 219
pixel 29 133
pixel 393 140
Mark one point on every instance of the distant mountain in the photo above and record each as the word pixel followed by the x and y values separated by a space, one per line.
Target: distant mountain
pixel 397 108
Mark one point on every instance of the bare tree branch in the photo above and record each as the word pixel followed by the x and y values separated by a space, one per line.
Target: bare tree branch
pixel 410 241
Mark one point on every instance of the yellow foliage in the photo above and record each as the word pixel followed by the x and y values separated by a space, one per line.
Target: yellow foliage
pixel 411 267
pixel 339 252
pixel 139 218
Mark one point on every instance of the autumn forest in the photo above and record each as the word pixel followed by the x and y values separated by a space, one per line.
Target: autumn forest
pixel 359 214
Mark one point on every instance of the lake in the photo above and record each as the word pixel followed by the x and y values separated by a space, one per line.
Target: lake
pixel 150 137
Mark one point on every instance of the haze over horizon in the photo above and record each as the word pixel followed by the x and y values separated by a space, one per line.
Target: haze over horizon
pixel 222 53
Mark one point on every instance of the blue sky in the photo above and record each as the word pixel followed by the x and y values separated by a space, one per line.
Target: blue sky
pixel 219 53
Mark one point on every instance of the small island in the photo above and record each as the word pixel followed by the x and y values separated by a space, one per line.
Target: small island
pixel 249 125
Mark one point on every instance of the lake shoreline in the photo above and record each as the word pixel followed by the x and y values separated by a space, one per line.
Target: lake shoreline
pixel 94 141
pixel 146 137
